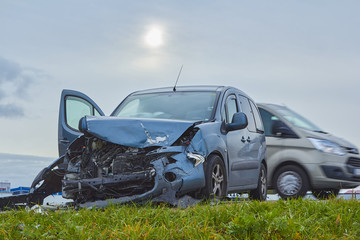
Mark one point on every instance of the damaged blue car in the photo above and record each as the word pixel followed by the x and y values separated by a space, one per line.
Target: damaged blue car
pixel 166 144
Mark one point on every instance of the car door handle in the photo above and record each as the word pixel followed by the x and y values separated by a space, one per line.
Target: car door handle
pixel 248 139
pixel 64 141
pixel 243 139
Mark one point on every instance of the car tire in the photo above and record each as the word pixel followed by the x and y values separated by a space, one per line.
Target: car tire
pixel 260 193
pixel 323 194
pixel 215 178
pixel 291 182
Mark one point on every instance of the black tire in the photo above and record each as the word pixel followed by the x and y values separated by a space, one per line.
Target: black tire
pixel 325 193
pixel 291 182
pixel 260 193
pixel 215 178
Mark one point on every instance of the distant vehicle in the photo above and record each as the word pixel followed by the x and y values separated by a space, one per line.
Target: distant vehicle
pixel 302 157
pixel 159 144
pixel 20 190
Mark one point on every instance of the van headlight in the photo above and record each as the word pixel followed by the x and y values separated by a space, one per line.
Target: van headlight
pixel 327 146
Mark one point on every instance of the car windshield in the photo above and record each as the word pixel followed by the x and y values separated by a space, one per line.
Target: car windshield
pixel 189 106
pixel 297 120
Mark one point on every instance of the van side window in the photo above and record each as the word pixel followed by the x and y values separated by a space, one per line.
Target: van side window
pixel 229 109
pixel 245 108
pixel 258 121
pixel 268 121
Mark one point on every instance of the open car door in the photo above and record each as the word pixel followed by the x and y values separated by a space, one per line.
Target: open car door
pixel 73 106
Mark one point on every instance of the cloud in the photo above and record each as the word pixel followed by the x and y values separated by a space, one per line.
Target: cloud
pixel 9 70
pixel 2 94
pixel 11 111
pixel 15 82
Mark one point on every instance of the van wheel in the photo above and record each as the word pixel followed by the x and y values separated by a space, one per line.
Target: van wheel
pixel 291 182
pixel 260 192
pixel 215 178
pixel 325 193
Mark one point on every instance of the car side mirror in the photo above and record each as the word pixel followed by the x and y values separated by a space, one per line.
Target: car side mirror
pixel 280 129
pixel 239 121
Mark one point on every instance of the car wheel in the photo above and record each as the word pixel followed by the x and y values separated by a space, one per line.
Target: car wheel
pixel 291 182
pixel 215 178
pixel 260 192
pixel 325 193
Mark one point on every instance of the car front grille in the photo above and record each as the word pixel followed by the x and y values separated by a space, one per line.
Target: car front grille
pixel 354 162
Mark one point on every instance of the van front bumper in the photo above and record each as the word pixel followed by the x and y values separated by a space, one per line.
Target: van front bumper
pixel 337 173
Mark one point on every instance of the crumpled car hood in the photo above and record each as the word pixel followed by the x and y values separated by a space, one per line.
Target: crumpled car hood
pixel 135 132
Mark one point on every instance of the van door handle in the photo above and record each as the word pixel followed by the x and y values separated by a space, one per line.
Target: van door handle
pixel 248 139
pixel 243 139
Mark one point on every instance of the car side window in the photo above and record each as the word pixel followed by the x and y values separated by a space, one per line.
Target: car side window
pixel 245 108
pixel 229 109
pixel 268 120
pixel 75 109
pixel 258 121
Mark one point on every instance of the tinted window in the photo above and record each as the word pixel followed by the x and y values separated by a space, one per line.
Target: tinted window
pixel 296 119
pixel 245 108
pixel 268 120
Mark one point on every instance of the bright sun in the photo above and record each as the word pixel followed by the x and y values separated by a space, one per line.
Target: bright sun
pixel 154 37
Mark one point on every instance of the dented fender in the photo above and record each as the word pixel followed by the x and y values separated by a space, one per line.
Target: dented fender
pixel 47 174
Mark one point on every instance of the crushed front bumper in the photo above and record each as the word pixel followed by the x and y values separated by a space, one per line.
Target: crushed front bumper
pixel 170 190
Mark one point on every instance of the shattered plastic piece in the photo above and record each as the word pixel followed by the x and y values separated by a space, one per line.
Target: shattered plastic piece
pixel 38 209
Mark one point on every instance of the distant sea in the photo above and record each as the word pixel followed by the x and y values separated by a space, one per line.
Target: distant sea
pixel 20 170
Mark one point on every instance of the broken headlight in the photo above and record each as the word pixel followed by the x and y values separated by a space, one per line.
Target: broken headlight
pixel 197 158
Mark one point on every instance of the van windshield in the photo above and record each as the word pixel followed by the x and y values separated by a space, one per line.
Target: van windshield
pixel 297 120
pixel 189 106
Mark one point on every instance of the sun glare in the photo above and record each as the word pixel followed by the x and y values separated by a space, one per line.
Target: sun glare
pixel 154 37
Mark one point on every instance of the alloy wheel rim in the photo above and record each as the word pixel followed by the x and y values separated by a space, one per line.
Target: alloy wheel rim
pixel 217 180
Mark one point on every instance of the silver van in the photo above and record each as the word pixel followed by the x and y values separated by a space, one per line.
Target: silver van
pixel 302 157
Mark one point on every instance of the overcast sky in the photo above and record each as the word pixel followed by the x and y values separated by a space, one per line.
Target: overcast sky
pixel 304 54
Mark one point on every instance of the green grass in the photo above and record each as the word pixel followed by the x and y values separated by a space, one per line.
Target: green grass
pixel 295 219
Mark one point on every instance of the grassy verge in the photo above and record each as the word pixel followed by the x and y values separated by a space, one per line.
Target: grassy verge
pixel 295 219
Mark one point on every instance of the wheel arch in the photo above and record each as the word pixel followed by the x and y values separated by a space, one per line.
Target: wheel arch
pixel 265 163
pixel 289 163
pixel 215 152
